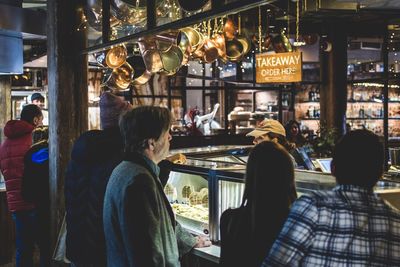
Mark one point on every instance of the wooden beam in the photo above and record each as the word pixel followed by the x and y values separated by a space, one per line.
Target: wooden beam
pixel 5 102
pixel 68 98
pixel 334 79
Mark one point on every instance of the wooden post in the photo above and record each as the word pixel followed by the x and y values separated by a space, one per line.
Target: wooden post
pixel 5 102
pixel 334 79
pixel 68 98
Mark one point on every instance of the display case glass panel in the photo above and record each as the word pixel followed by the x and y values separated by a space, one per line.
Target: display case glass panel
pixel 188 195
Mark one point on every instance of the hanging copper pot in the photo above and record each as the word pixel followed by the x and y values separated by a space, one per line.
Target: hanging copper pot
pixel 167 39
pixel 234 50
pixel 219 41
pixel 121 77
pixel 141 75
pixel 230 29
pixel 210 51
pixel 192 5
pixel 116 56
pixel 267 41
pixel 151 56
pixel 278 45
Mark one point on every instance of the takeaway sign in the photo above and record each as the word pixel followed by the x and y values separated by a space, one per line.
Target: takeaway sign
pixel 278 68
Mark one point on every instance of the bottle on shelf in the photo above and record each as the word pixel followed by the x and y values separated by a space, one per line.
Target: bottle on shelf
pixel 317 94
pixel 311 95
pixel 310 112
pixel 361 112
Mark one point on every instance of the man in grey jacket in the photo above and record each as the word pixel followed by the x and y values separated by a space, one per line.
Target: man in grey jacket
pixel 139 223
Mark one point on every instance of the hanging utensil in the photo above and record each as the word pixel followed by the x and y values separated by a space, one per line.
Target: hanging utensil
pixel 219 41
pixel 121 77
pixel 286 42
pixel 229 29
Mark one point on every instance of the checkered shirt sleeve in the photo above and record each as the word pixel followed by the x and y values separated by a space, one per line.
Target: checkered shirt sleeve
pixel 296 236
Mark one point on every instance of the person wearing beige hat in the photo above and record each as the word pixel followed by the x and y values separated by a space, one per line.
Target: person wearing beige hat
pixel 271 130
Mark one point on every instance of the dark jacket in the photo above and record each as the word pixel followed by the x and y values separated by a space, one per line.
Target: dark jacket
pixel 238 247
pixel 12 152
pixel 35 188
pixel 35 181
pixel 138 219
pixel 94 155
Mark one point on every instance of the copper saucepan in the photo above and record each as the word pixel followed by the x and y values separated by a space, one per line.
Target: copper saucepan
pixel 219 41
pixel 230 29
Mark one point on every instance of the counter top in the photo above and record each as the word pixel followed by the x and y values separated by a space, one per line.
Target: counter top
pixel 211 253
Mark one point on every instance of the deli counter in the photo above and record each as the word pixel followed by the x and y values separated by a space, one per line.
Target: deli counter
pixel 211 180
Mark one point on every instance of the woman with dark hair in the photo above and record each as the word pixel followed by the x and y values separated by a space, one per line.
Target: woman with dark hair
pixel 293 134
pixel 248 232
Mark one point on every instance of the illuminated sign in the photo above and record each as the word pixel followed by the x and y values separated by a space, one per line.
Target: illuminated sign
pixel 278 68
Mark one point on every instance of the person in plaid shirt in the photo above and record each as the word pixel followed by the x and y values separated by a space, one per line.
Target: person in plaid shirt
pixel 349 225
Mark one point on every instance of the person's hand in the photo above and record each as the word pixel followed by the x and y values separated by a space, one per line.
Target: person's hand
pixel 202 241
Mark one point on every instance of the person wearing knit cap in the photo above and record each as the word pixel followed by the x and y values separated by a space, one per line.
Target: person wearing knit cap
pixel 111 107
pixel 93 158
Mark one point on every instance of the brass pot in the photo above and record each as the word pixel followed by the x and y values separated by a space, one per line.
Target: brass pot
pixel 171 60
pixel 116 56
pixel 192 5
pixel 234 50
pixel 185 47
pixel 246 43
pixel 195 38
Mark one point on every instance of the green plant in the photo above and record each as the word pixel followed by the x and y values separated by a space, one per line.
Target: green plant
pixel 325 141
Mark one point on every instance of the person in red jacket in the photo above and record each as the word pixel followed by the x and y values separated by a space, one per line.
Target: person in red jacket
pixel 12 152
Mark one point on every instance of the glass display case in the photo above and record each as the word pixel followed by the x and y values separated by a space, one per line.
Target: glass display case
pixel 212 180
